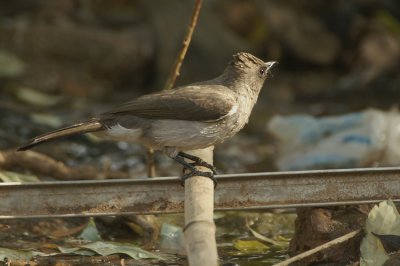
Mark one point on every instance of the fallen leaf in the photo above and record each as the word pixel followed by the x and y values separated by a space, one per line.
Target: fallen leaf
pixel 76 251
pixel 108 248
pixel 250 246
pixel 24 255
pixel 33 97
pixel 8 176
pixel 90 233
pixel 10 65
pixel 262 238
pixel 49 246
pixel 47 119
pixel 13 254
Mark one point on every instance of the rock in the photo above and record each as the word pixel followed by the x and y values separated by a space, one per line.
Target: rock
pixel 316 226
pixel 394 260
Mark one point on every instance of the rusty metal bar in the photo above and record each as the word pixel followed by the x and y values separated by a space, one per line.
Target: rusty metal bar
pixel 165 195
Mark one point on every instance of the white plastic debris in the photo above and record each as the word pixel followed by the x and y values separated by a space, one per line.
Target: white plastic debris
pixel 172 239
pixel 353 140
pixel 383 219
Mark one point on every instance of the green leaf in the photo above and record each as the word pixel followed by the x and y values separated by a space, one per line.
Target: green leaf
pixel 7 176
pixel 267 239
pixel 10 65
pixel 14 254
pixel 250 246
pixel 76 251
pixel 47 119
pixel 108 248
pixel 33 97
pixel 90 233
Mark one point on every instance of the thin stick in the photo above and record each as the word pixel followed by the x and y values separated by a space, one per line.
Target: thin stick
pixel 42 165
pixel 185 45
pixel 151 164
pixel 327 245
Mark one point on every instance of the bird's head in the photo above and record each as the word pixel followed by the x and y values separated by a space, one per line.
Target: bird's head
pixel 248 69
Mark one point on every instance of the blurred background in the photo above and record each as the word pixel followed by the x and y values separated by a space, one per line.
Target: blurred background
pixel 62 61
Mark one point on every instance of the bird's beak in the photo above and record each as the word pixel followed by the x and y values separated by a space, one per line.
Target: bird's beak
pixel 270 64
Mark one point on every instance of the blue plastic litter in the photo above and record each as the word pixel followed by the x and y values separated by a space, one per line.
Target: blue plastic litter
pixel 361 139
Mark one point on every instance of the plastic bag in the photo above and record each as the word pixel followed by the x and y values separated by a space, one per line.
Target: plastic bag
pixel 361 139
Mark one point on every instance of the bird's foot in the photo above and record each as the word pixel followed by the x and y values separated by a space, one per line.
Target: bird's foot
pixel 195 172
pixel 180 158
pixel 198 161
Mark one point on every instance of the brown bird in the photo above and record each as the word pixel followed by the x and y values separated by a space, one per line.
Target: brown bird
pixel 190 117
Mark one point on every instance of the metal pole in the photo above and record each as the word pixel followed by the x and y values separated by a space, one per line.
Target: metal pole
pixel 165 195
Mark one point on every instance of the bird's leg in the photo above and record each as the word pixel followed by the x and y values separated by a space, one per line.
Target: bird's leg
pixel 191 166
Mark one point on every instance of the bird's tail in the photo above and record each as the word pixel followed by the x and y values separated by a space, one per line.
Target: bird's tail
pixel 85 127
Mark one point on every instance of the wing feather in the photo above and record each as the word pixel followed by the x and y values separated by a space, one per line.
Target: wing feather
pixel 193 103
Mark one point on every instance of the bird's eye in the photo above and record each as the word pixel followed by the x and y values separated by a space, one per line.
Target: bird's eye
pixel 263 71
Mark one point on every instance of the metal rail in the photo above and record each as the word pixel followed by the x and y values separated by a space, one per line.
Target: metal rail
pixel 165 195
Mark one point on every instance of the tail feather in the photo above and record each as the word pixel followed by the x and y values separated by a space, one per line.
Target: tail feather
pixel 81 128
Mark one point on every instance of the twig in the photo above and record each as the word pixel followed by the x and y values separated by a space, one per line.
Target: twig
pixel 185 45
pixel 41 164
pixel 151 164
pixel 322 247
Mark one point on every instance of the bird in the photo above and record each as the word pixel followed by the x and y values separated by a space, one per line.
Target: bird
pixel 188 117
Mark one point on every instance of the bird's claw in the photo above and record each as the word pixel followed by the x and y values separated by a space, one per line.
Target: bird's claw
pixel 196 161
pixel 195 172
pixel 205 164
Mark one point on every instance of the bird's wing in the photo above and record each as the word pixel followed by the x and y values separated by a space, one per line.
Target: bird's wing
pixel 192 103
